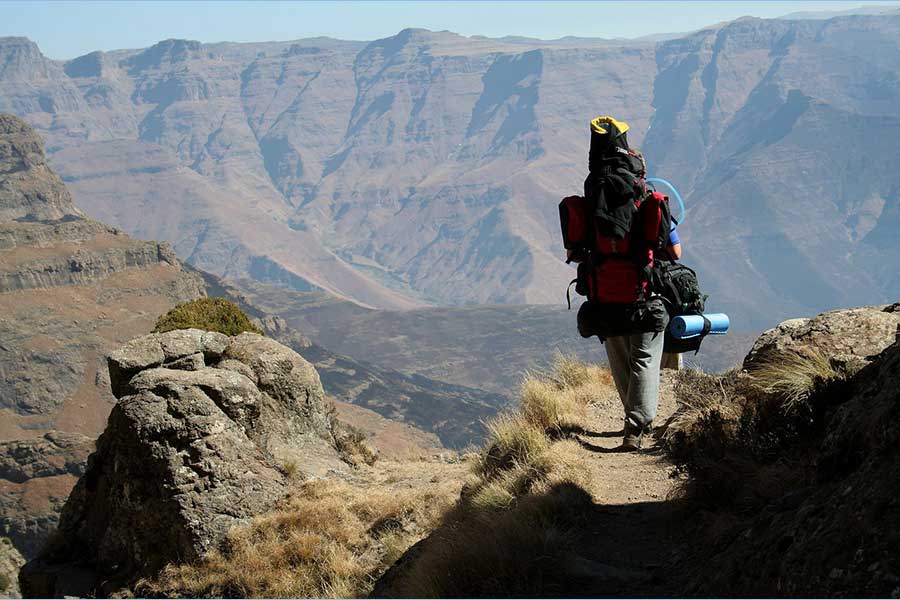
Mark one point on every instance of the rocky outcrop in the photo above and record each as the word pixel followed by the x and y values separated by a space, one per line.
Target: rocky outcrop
pixel 53 454
pixel 38 474
pixel 206 430
pixel 10 563
pixel 29 190
pixel 844 336
pixel 83 265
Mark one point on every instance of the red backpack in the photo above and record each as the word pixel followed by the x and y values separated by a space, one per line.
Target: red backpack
pixel 614 270
pixel 617 228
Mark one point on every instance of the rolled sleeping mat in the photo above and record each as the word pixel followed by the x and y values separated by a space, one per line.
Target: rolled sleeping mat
pixel 687 326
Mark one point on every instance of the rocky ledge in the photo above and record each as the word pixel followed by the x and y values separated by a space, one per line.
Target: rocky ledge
pixel 206 433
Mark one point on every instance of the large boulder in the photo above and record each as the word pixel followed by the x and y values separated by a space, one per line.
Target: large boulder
pixel 845 336
pixel 203 437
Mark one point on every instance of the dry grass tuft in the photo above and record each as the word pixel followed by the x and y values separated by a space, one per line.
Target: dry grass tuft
pixel 517 526
pixel 521 551
pixel 705 402
pixel 328 540
pixel 353 445
pixel 549 408
pixel 512 440
pixel 793 377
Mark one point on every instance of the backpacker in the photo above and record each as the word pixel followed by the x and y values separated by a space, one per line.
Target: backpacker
pixel 617 227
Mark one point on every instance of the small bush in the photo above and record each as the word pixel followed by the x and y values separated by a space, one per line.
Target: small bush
pixel 353 444
pixel 209 314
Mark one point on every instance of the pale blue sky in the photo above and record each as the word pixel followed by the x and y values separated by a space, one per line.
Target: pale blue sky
pixel 68 29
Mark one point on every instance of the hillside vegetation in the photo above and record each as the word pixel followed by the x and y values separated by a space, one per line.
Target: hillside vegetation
pixel 208 314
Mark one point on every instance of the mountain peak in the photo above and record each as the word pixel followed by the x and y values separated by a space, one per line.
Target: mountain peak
pixel 167 51
pixel 21 59
pixel 29 190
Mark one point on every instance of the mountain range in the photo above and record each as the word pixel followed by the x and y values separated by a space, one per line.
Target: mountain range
pixel 424 169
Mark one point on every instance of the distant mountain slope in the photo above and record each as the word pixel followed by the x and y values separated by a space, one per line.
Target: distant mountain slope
pixel 485 347
pixel 70 289
pixel 425 168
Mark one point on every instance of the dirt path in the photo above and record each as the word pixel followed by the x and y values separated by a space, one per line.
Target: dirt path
pixel 632 546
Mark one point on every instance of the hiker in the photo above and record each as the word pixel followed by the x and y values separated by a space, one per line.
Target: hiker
pixel 614 232
pixel 673 360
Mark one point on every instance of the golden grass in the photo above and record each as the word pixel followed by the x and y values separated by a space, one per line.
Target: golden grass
pixel 511 440
pixel 328 540
pixel 792 376
pixel 547 407
pixel 512 531
pixel 517 525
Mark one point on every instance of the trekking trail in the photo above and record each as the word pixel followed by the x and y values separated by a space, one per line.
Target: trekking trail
pixel 632 546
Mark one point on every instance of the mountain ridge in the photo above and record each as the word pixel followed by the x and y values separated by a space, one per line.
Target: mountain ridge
pixel 423 168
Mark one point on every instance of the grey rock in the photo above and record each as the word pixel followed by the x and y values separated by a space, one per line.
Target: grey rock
pixel 189 452
pixel 191 362
pixel 238 367
pixel 213 343
pixel 154 350
pixel 10 563
pixel 844 336
pixel 232 392
pixel 170 477
pixel 180 343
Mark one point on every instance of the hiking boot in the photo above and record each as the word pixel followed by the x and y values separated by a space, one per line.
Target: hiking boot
pixel 631 442
pixel 633 437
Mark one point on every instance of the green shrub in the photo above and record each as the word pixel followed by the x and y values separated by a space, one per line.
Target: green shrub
pixel 209 314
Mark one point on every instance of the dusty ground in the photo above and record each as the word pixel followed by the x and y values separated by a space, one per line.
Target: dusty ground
pixel 633 545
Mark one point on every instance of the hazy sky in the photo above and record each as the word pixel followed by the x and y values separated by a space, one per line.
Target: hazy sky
pixel 68 29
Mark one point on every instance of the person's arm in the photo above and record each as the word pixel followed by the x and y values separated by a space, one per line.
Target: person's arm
pixel 675 251
pixel 674 244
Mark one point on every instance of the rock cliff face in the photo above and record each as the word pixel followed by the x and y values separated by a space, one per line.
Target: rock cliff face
pixel 70 290
pixel 203 436
pixel 834 520
pixel 425 167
